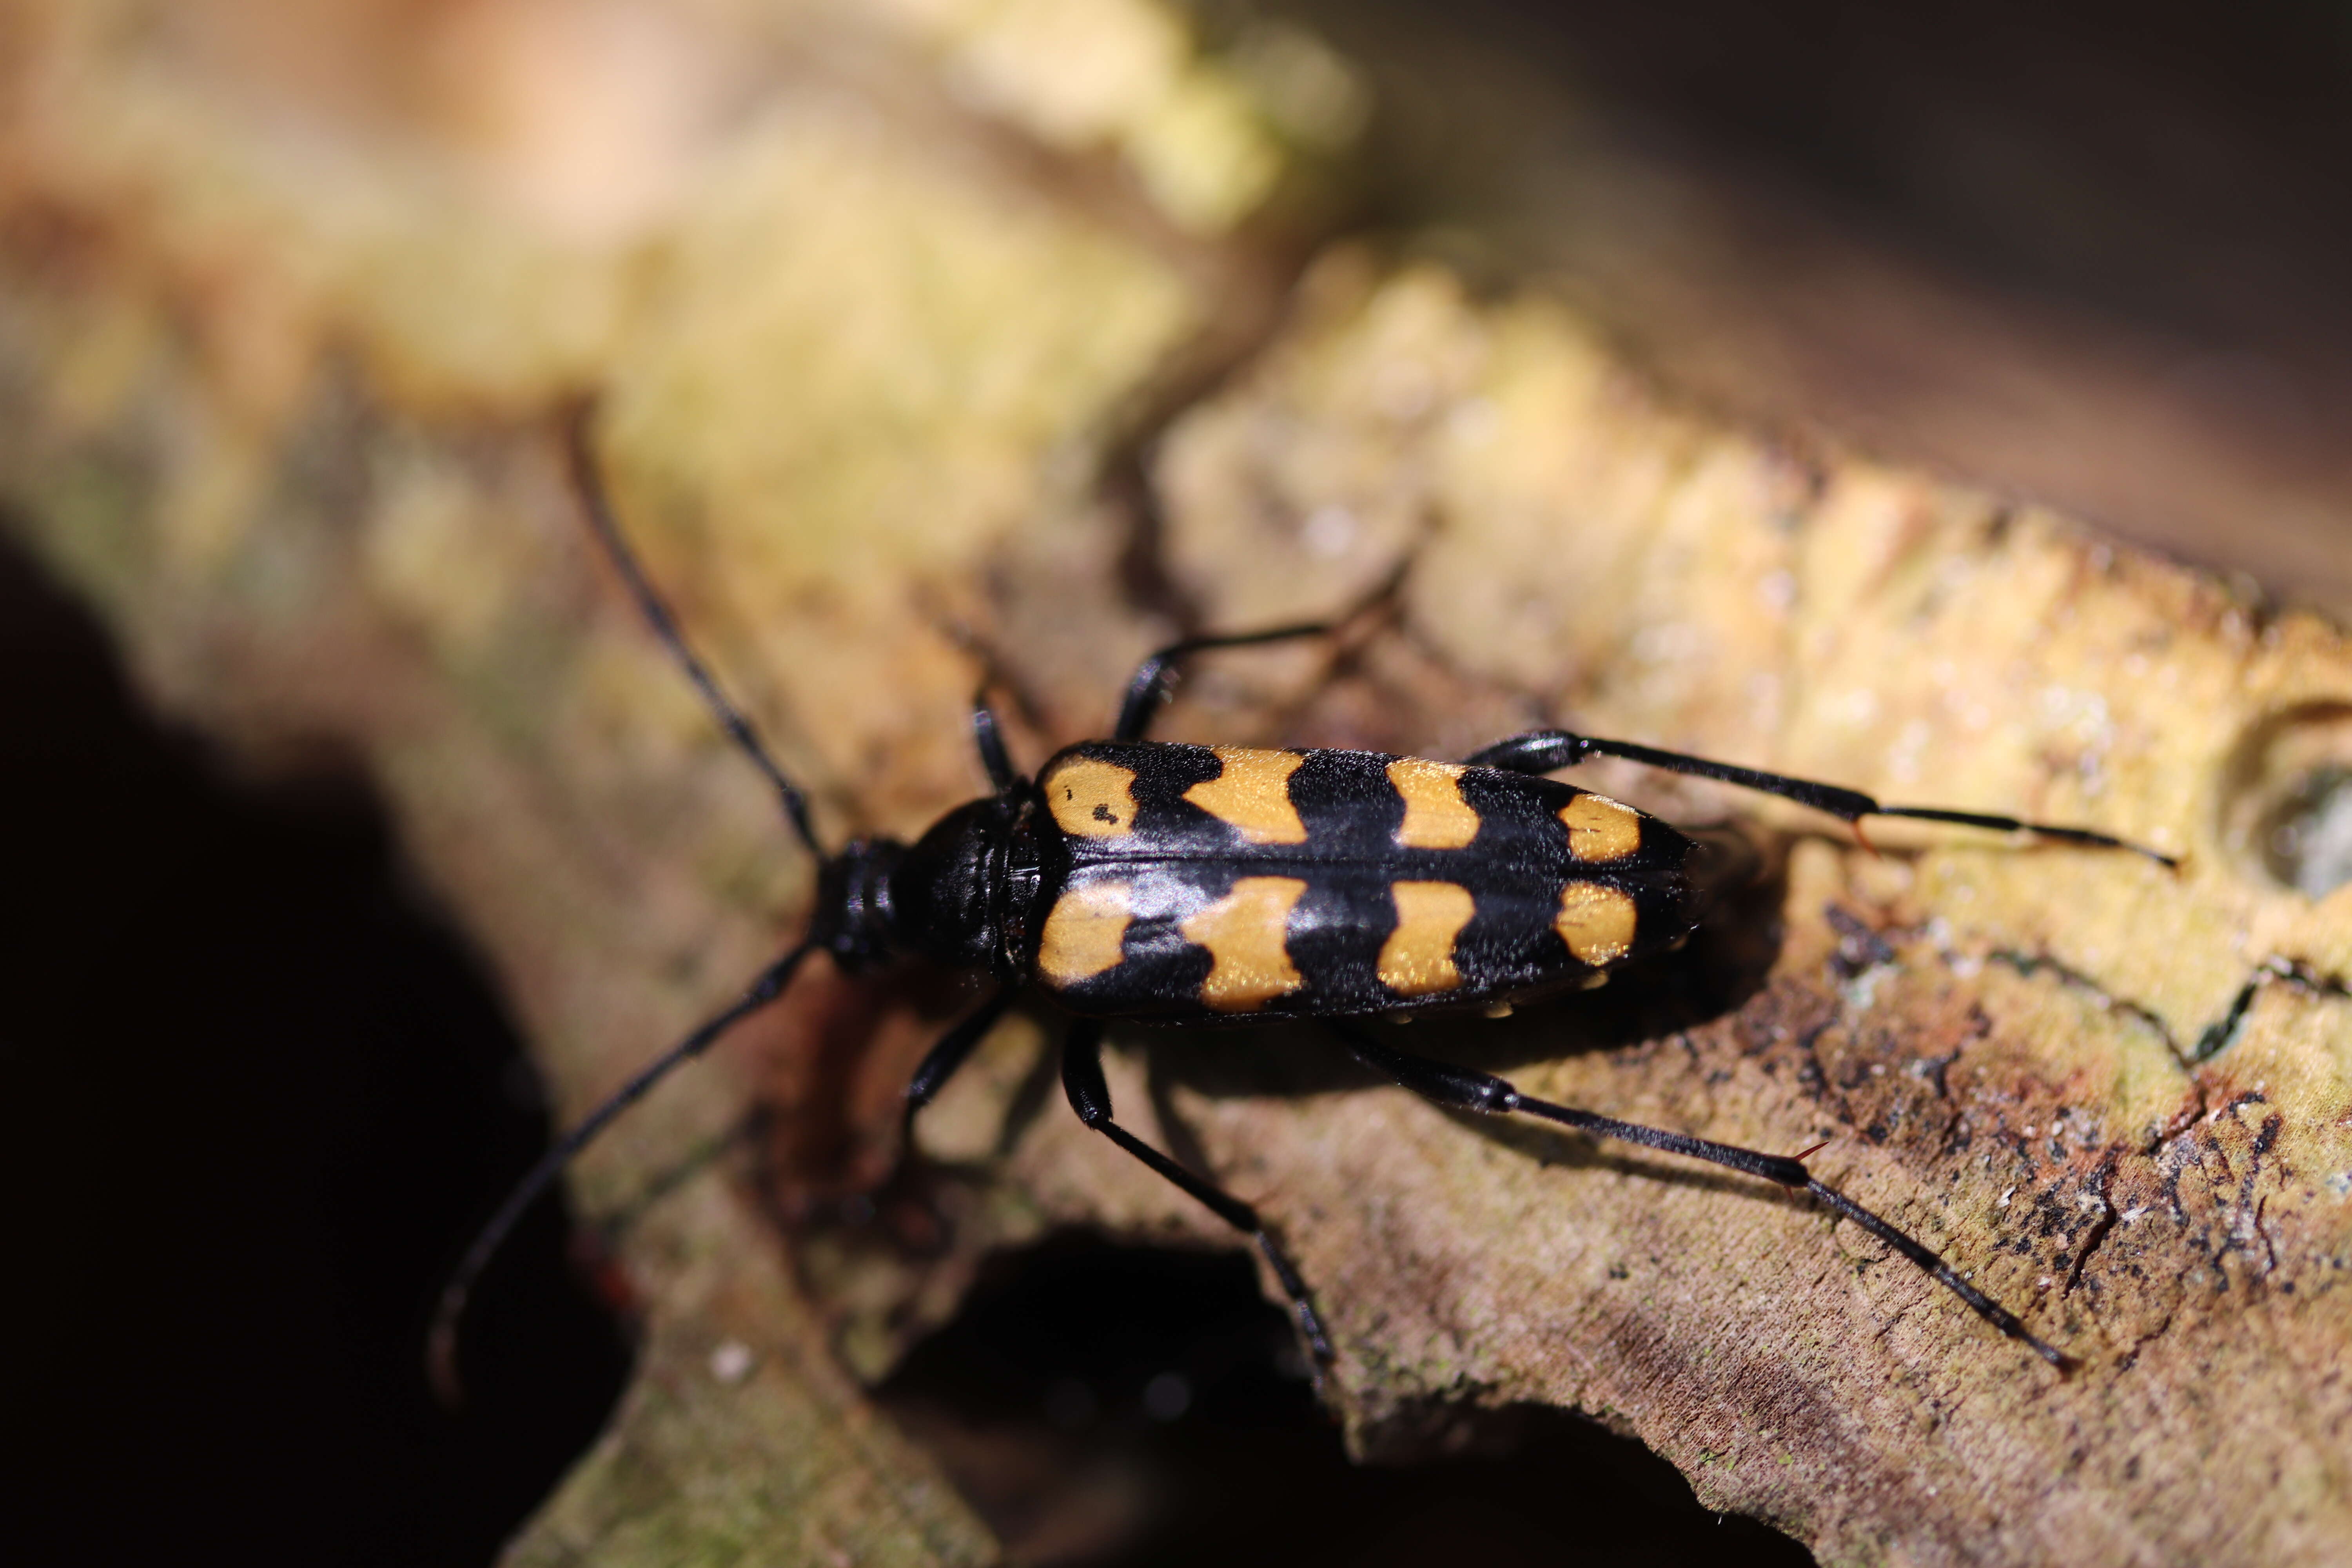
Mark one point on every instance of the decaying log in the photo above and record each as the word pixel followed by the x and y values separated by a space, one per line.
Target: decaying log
pixel 917 361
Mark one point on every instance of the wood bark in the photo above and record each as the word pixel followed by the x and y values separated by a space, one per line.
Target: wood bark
pixel 922 355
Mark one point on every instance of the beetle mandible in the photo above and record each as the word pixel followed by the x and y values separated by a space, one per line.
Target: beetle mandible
pixel 1211 886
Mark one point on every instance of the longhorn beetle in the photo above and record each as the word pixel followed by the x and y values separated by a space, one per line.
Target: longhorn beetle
pixel 1227 884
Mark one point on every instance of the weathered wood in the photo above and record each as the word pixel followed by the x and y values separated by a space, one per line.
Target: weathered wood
pixel 874 358
pixel 2116 1095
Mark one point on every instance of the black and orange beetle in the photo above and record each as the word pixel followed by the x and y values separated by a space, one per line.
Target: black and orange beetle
pixel 1217 886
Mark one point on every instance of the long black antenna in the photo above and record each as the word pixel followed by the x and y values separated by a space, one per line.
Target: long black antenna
pixel 441 1339
pixel 588 478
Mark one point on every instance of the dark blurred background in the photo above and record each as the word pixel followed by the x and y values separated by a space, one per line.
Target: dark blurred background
pixel 2090 254
pixel 2086 253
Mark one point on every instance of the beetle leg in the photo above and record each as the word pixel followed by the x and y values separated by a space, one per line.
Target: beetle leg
pixel 1464 1089
pixel 1090 1093
pixel 1548 751
pixel 955 1047
pixel 1150 682
pixel 988 737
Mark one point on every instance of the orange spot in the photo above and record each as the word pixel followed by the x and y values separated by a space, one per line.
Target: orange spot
pixel 1596 921
pixel 1253 794
pixel 1435 815
pixel 1091 798
pixel 1600 828
pixel 1245 932
pixel 1084 934
pixel 1417 959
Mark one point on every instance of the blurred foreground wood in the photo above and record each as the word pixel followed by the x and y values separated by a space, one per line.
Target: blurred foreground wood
pixel 891 316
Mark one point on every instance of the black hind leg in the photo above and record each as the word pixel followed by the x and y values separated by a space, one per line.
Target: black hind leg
pixel 1463 1090
pixel 1090 1093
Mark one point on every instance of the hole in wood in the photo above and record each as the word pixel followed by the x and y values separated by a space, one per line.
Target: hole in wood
pixel 2287 804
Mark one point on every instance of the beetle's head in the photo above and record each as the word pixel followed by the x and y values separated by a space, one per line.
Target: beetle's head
pixel 852 920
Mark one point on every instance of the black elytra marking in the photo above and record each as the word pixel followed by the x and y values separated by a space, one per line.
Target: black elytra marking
pixel 1198 885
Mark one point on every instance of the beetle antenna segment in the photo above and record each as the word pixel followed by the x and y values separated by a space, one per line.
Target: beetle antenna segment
pixel 588 480
pixel 1465 1089
pixel 441 1339
pixel 1548 751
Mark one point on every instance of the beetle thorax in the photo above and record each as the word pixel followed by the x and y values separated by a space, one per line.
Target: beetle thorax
pixel 950 897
